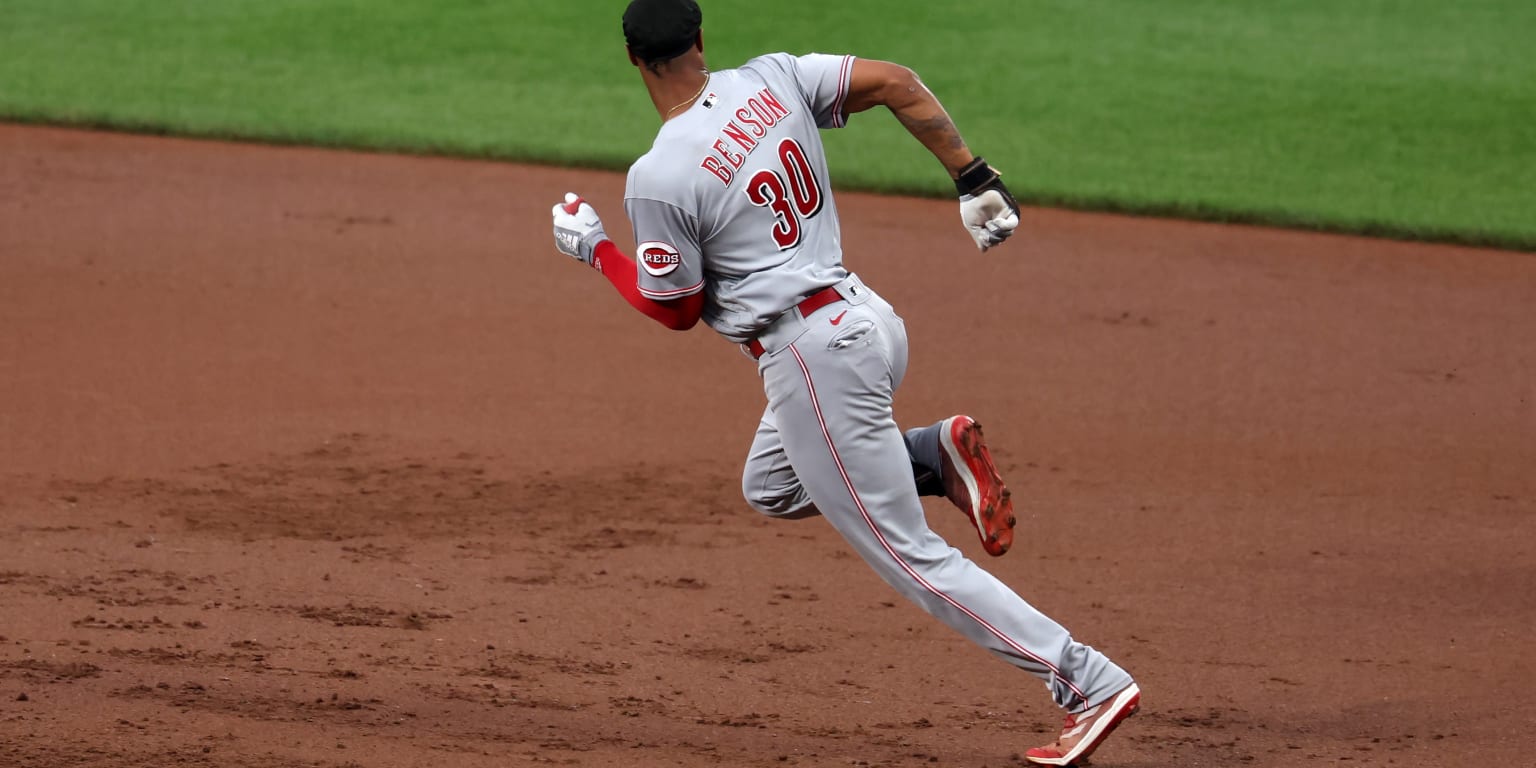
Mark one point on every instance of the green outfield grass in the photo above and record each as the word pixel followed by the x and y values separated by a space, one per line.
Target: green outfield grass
pixel 1413 118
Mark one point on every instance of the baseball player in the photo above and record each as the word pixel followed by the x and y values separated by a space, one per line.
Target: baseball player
pixel 736 224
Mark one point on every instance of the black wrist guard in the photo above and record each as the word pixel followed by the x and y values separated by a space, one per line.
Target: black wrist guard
pixel 977 177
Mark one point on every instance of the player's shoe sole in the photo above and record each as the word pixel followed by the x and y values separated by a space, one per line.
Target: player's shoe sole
pixel 971 482
pixel 1086 731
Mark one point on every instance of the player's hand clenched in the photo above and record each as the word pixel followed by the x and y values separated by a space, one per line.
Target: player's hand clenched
pixel 578 230
pixel 988 211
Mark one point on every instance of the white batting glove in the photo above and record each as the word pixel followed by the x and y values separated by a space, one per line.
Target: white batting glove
pixel 578 230
pixel 987 210
pixel 988 218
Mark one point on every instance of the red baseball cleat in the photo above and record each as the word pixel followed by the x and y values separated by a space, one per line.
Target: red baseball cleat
pixel 1085 731
pixel 971 482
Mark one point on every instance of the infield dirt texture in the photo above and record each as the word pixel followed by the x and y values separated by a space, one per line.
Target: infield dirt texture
pixel 320 459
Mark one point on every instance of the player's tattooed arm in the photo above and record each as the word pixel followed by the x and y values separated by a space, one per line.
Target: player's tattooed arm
pixel 937 131
pixel 881 83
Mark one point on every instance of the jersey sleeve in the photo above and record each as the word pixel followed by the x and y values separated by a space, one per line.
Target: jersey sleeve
pixel 667 251
pixel 823 81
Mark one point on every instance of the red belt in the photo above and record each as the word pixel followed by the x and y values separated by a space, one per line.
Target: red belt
pixel 806 306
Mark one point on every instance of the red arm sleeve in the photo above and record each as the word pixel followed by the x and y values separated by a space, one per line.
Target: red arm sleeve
pixel 679 314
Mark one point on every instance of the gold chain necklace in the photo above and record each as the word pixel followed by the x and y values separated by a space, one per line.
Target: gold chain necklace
pixel 695 95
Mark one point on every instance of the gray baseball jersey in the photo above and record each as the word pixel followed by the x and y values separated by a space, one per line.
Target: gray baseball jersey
pixel 733 197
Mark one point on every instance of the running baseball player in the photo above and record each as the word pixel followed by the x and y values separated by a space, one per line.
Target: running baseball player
pixel 736 224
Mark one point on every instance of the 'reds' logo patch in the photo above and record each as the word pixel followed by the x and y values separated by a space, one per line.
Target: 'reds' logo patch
pixel 659 258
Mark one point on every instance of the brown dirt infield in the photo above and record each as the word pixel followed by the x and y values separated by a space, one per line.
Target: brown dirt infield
pixel 325 459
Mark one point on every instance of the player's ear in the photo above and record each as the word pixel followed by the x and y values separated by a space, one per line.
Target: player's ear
pixel 632 59
pixel 698 39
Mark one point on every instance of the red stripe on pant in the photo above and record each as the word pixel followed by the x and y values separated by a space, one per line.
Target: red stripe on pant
pixel 999 634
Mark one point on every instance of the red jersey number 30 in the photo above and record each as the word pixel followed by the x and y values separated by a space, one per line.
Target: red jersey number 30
pixel 793 195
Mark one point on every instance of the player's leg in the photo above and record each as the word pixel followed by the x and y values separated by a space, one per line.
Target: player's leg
pixel 831 395
pixel 768 482
pixel 927 467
